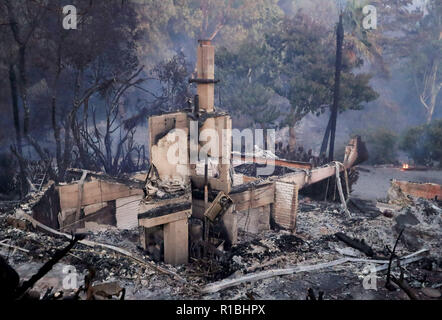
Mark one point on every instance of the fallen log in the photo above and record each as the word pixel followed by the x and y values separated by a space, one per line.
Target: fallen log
pixel 227 283
pixel 356 244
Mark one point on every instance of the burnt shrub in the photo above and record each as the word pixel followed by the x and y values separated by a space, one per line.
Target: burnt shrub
pixel 423 143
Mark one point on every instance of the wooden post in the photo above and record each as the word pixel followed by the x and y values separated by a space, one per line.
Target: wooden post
pixel 206 205
pixel 230 222
pixel 143 240
pixel 175 231
pixel 176 242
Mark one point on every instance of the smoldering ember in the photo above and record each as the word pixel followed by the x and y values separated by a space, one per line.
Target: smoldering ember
pixel 131 170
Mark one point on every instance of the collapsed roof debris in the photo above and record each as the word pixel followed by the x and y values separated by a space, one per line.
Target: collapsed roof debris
pixel 220 228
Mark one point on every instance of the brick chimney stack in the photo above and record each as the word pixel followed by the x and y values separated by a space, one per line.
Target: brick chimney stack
pixel 205 75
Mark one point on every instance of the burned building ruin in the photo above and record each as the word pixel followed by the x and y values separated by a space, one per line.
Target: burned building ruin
pixel 188 206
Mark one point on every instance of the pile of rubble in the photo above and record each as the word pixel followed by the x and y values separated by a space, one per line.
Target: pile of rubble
pixel 317 241
pixel 314 242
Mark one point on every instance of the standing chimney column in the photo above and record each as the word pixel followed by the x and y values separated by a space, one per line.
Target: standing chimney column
pixel 205 75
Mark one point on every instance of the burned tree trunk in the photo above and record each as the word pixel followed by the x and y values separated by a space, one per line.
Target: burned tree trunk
pixel 18 137
pixel 19 85
pixel 355 243
pixel 15 111
pixel 55 126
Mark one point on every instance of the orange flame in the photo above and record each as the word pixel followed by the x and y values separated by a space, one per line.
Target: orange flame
pixel 405 166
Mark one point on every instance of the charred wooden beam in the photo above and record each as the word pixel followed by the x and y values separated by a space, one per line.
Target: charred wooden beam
pixel 277 162
pixel 133 183
pixel 204 81
pixel 165 210
pixel 356 244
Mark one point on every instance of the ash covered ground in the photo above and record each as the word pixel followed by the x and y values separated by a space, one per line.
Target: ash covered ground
pixel 314 242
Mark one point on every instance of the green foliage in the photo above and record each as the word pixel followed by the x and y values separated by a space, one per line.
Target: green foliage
pixel 244 87
pixel 424 143
pixel 310 51
pixel 381 145
pixel 305 55
pixel 358 40
pixel 253 100
pixel 296 61
pixel 420 44
pixel 301 65
pixel 355 91
pixel 172 24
